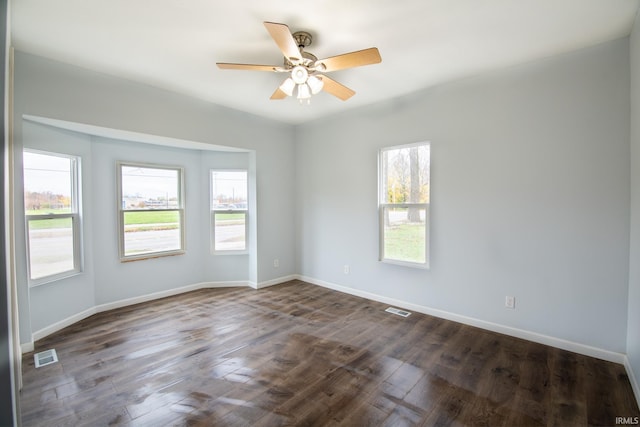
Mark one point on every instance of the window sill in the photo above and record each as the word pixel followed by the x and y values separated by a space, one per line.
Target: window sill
pixel 420 266
pixel 225 253
pixel 153 255
pixel 55 278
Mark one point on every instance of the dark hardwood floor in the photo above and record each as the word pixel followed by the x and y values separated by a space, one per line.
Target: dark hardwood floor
pixel 298 354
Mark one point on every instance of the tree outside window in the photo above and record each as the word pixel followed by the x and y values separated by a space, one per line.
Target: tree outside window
pixel 404 204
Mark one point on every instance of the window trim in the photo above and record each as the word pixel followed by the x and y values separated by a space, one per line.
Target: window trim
pixel 213 212
pixel 76 222
pixel 121 212
pixel 383 205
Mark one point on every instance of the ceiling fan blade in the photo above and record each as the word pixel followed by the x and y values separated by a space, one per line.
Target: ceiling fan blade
pixel 251 67
pixel 350 60
pixel 278 94
pixel 336 89
pixel 284 39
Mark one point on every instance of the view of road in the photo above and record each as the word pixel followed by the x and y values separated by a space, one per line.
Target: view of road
pixel 51 248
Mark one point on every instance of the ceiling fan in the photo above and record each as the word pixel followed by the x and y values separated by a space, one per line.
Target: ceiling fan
pixel 304 68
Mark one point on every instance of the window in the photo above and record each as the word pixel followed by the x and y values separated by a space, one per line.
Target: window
pixel 229 211
pixel 52 217
pixel 151 210
pixel 404 204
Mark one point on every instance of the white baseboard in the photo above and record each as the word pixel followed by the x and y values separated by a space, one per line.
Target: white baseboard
pixel 229 284
pixel 168 293
pixel 495 327
pixel 632 379
pixel 507 330
pixel 48 330
pixel 27 347
pixel 276 281
pixel 62 324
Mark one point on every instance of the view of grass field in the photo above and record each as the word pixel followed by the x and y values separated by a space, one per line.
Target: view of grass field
pixel 405 242
pixel 405 191
pixel 42 224
pixel 151 218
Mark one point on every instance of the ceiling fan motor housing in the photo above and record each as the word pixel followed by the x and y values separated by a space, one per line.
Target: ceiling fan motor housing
pixel 302 39
pixel 308 59
pixel 299 74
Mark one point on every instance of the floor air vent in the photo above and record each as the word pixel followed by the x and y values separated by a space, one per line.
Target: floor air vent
pixel 398 312
pixel 45 358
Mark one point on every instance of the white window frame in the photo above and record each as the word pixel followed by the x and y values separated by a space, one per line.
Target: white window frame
pixel 74 215
pixel 382 205
pixel 214 212
pixel 122 211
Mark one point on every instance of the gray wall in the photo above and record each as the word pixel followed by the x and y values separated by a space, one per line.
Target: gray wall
pixel 50 89
pixel 58 300
pixel 115 280
pixel 530 196
pixel 633 333
pixel 104 278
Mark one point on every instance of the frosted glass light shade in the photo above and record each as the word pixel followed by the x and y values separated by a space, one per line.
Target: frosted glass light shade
pixel 303 91
pixel 316 84
pixel 287 86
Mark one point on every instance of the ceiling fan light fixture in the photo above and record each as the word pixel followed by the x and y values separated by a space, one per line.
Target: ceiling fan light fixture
pixel 299 74
pixel 315 84
pixel 287 86
pixel 303 92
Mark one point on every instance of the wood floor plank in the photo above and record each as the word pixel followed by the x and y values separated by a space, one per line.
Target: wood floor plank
pixel 298 354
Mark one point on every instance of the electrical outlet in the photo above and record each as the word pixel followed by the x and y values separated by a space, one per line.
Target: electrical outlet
pixel 276 263
pixel 510 302
pixel 346 269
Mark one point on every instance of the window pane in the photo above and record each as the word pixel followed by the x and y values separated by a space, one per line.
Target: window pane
pixel 150 188
pixel 230 231
pixel 229 190
pixel 151 231
pixel 47 183
pixel 51 249
pixel 405 234
pixel 151 203
pixel 406 174
pixel 49 189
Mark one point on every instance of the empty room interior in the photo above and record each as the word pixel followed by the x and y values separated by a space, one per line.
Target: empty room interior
pixel 334 213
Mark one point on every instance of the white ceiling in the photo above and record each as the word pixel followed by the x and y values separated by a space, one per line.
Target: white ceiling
pixel 174 44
